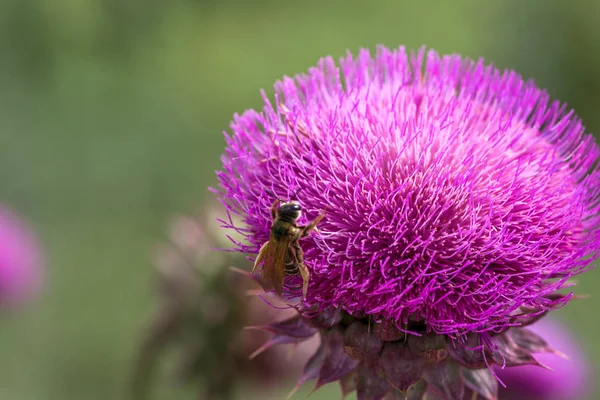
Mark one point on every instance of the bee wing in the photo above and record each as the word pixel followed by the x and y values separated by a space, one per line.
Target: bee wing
pixel 274 265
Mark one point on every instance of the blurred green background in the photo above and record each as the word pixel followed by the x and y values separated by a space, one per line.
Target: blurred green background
pixel 111 120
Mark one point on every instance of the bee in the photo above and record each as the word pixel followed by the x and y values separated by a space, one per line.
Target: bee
pixel 282 255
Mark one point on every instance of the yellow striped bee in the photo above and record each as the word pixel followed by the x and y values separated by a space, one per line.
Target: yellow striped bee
pixel 282 255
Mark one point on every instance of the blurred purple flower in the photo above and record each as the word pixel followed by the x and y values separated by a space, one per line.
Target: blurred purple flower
pixel 201 309
pixel 460 199
pixel 20 261
pixel 569 379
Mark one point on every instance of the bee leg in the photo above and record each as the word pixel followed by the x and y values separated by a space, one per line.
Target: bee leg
pixel 305 230
pixel 302 268
pixel 305 278
pixel 261 254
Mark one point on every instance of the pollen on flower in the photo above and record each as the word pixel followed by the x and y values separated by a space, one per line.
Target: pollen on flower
pixel 457 194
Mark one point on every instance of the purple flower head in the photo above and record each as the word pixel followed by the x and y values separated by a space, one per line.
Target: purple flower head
pixel 569 378
pixel 20 261
pixel 456 194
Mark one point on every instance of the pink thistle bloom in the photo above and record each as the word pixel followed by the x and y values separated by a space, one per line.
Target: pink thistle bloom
pixel 20 261
pixel 459 199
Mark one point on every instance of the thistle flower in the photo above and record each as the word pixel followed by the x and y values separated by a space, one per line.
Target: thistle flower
pixel 201 310
pixel 20 261
pixel 460 199
pixel 568 379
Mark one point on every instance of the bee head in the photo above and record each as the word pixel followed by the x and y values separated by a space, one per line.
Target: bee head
pixel 290 211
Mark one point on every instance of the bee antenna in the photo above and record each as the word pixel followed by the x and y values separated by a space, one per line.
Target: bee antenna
pixel 283 201
pixel 273 194
pixel 297 191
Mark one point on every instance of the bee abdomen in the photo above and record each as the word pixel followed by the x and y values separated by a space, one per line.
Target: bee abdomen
pixel 291 267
